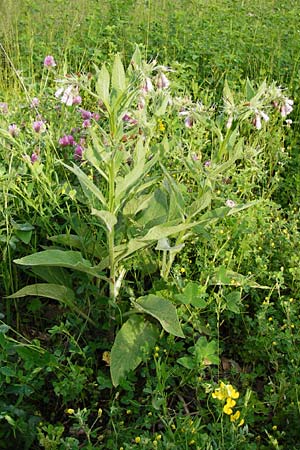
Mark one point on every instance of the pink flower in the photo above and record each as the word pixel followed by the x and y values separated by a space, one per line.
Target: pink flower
pixel 78 152
pixel 13 130
pixel 34 102
pixel 49 61
pixel 86 123
pixel 96 116
pixel 39 126
pixel 66 140
pixel 207 163
pixel 77 100
pixel 3 108
pixel 34 157
pixel 85 114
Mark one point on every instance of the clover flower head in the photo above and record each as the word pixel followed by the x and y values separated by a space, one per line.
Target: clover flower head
pixel 77 100
pixel 49 61
pixel 78 153
pixel 66 140
pixel 85 115
pixel 34 157
pixel 39 126
pixel 13 130
pixel 3 108
pixel 34 102
pixel 230 203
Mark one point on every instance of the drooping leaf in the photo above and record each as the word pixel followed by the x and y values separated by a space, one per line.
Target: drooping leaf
pixel 60 258
pixel 108 218
pixel 163 310
pixel 133 342
pixel 58 292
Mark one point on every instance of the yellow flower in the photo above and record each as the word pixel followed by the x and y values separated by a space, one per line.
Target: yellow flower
pixel 235 416
pixel 220 393
pixel 241 423
pixel 228 406
pixel 70 411
pixel 232 392
pixel 137 440
pixel 161 126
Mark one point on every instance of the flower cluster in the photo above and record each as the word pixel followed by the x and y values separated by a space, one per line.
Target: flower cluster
pixel 229 394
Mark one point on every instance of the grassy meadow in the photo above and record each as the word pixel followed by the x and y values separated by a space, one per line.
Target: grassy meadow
pixel 149 225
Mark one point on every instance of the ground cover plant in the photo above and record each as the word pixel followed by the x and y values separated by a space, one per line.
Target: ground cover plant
pixel 149 225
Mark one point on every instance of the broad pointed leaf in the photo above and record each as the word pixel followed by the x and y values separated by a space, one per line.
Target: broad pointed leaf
pixel 163 310
pixel 135 339
pixel 118 80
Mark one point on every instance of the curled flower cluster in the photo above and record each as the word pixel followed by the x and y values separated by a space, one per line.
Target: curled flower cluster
pixel 229 394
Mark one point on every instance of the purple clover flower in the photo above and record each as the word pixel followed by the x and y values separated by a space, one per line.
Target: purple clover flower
pixel 39 126
pixel 49 61
pixel 86 123
pixel 34 157
pixel 66 140
pixel 77 100
pixel 86 115
pixel 78 153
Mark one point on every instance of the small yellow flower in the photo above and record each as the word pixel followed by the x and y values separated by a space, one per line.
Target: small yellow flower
pixel 106 357
pixel 241 423
pixel 235 417
pixel 100 412
pixel 228 406
pixel 137 440
pixel 232 392
pixel 182 270
pixel 155 443
pixel 156 348
pixel 158 437
pixel 70 411
pixel 274 427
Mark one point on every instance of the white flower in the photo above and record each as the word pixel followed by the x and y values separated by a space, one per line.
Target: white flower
pixel 67 94
pixel 230 203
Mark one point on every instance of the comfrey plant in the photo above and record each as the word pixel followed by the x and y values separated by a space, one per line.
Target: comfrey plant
pixel 137 203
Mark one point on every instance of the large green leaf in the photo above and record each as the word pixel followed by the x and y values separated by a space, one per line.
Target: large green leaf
pixel 163 310
pixel 58 292
pixel 60 258
pixel 134 341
